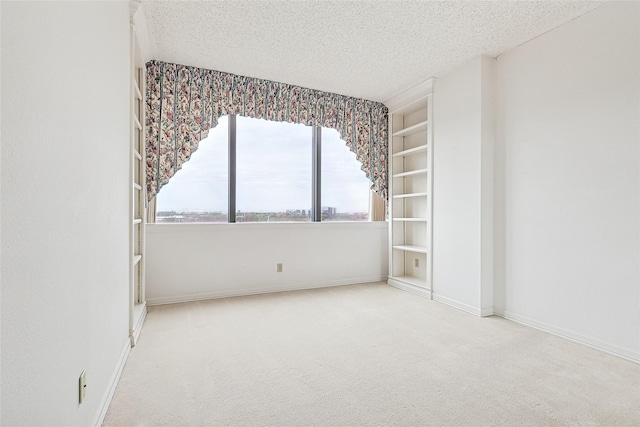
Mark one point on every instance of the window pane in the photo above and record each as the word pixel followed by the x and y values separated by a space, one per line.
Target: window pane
pixel 273 171
pixel 345 188
pixel 199 191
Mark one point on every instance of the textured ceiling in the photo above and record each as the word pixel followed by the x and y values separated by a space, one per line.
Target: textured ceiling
pixel 372 49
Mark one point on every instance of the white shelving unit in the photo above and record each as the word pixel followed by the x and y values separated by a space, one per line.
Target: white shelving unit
pixel 137 302
pixel 410 188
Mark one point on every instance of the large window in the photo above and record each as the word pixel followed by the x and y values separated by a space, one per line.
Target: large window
pixel 199 191
pixel 345 188
pixel 268 177
pixel 273 171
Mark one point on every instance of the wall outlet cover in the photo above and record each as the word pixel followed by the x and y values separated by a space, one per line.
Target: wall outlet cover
pixel 82 384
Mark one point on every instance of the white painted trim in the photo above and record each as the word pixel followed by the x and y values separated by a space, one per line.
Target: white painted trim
pixel 572 336
pixel 146 43
pixel 262 290
pixel 403 98
pixel 137 327
pixel 457 304
pixel 113 383
pixel 5 215
pixel 488 102
pixel 133 7
pixel 486 311
pixel 480 312
pixel 408 287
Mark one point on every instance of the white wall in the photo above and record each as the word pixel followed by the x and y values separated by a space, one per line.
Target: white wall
pixel 65 139
pixel 198 261
pixel 567 169
pixel 463 186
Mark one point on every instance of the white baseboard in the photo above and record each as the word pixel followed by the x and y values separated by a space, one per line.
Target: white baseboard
pixel 137 328
pixel 581 339
pixel 486 311
pixel 256 291
pixel 113 383
pixel 417 290
pixel 461 306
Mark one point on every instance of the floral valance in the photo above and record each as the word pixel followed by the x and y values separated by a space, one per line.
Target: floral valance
pixel 184 102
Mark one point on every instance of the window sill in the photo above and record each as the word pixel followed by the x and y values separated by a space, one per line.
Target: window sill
pixel 213 227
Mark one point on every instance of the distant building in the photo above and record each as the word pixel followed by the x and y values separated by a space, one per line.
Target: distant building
pixel 297 212
pixel 328 212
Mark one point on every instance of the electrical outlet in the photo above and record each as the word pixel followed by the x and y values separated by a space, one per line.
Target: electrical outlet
pixel 416 262
pixel 279 267
pixel 82 386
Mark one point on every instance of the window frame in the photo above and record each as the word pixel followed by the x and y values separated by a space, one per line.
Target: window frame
pixel 316 171
pixel 316 174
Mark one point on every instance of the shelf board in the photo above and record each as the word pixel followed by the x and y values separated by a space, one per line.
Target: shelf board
pixel 404 196
pixel 413 106
pixel 411 248
pixel 411 219
pixel 411 151
pixel 418 127
pixel 137 90
pixel 422 283
pixel 409 173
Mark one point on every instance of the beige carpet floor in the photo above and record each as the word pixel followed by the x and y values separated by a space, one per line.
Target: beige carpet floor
pixel 362 355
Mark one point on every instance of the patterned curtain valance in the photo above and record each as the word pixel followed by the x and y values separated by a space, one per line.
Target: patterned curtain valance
pixel 183 103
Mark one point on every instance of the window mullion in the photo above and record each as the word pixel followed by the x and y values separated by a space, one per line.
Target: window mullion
pixel 316 202
pixel 232 167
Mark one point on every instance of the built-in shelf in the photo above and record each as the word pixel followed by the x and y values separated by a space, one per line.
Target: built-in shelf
pixel 404 196
pixel 418 127
pixel 137 195
pixel 411 248
pixel 409 173
pixel 410 201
